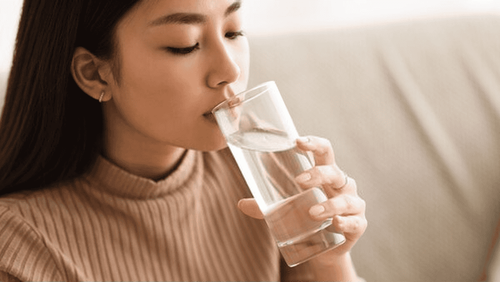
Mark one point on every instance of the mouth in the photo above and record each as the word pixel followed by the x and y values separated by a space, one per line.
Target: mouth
pixel 210 117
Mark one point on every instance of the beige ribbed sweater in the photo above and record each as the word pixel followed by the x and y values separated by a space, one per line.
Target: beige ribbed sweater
pixel 113 226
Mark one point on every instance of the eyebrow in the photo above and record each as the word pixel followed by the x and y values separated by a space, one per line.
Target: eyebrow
pixel 192 18
pixel 232 8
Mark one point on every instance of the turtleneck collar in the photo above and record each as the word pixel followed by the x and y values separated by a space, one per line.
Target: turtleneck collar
pixel 114 180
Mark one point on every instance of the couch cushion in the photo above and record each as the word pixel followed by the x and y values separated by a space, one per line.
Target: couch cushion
pixel 413 111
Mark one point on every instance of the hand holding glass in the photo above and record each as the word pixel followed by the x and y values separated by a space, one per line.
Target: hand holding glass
pixel 261 136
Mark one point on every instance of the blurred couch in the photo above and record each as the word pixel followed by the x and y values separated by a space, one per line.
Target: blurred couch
pixel 413 111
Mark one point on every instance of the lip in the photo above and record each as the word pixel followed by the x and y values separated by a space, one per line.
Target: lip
pixel 210 116
pixel 210 113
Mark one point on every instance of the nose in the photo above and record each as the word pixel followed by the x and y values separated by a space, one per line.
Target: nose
pixel 224 68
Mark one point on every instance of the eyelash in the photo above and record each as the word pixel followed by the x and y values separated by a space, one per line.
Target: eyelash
pixel 183 51
pixel 233 35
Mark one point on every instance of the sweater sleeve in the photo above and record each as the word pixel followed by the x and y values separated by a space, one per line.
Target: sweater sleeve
pixel 5 277
pixel 23 254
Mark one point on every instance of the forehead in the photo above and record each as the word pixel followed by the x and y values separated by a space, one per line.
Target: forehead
pixel 147 11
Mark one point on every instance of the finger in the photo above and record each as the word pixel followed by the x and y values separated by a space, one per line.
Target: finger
pixel 320 147
pixel 350 224
pixel 249 207
pixel 323 176
pixel 343 205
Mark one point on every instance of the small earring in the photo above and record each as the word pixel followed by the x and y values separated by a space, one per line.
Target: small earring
pixel 100 97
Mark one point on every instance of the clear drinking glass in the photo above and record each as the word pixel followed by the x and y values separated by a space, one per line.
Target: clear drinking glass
pixel 261 136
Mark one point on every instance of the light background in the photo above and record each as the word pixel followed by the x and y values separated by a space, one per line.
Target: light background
pixel 272 16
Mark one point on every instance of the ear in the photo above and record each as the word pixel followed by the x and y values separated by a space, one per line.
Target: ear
pixel 91 74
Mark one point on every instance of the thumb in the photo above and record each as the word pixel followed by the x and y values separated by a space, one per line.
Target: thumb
pixel 249 207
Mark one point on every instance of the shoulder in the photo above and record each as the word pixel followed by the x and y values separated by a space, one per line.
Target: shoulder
pixel 16 205
pixel 31 204
pixel 27 225
pixel 23 252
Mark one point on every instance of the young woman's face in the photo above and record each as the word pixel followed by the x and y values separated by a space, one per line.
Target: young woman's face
pixel 177 60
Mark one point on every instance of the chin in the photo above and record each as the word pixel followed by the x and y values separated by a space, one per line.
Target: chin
pixel 214 146
pixel 209 142
pixel 223 146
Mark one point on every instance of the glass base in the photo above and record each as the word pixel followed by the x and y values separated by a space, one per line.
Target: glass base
pixel 305 248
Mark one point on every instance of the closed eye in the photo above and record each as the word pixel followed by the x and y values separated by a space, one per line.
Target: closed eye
pixel 234 34
pixel 183 51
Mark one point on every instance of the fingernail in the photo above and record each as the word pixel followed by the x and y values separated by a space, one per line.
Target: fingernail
pixel 303 177
pixel 317 210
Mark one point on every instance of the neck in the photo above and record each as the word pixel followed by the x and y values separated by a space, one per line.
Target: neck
pixel 141 156
pixel 152 164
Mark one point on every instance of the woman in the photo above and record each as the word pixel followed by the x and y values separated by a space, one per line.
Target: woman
pixel 111 166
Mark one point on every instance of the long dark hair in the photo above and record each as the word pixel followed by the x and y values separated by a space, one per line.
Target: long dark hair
pixel 50 130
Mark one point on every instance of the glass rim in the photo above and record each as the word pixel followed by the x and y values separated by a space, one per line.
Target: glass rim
pixel 237 97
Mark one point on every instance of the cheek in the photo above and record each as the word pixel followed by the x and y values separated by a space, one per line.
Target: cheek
pixel 244 60
pixel 152 77
pixel 150 97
